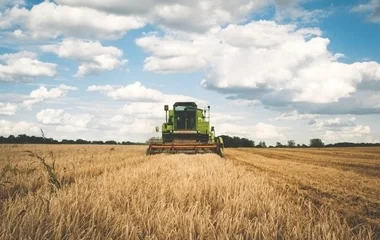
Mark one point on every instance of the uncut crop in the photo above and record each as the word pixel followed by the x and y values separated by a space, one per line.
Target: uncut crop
pixel 119 193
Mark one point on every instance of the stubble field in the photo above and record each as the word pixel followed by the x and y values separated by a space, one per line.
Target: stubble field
pixel 116 192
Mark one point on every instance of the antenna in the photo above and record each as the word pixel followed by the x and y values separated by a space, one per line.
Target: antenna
pixel 166 108
pixel 209 113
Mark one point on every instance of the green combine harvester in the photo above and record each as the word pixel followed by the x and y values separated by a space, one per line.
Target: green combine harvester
pixel 187 130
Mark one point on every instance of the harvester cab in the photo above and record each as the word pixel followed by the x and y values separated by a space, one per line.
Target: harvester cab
pixel 187 130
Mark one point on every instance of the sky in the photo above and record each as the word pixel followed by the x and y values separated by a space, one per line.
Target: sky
pixel 271 71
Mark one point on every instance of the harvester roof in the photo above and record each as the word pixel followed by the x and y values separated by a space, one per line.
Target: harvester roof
pixel 185 104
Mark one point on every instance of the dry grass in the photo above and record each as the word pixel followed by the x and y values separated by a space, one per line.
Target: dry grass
pixel 119 193
pixel 344 179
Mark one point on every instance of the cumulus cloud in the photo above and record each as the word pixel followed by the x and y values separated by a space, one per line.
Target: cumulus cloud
pixel 15 128
pixel 260 131
pixel 294 115
pixel 333 123
pixel 244 102
pixel 199 16
pixel 93 57
pixel 49 20
pixel 76 18
pixel 341 129
pixel 139 93
pixel 24 66
pixel 8 109
pixel 296 13
pixel 262 60
pixel 372 7
pixel 170 55
pixel 65 122
pixel 42 94
pixel 187 15
pixel 132 92
pixel 348 134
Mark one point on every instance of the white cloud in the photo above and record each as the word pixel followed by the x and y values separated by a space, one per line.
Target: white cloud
pixel 139 93
pixel 132 92
pixel 244 102
pixel 72 18
pixel 195 16
pixel 66 122
pixel 8 109
pixel 296 13
pixel 294 115
pixel 16 128
pixel 102 89
pixel 260 131
pixel 136 92
pixel 341 129
pixel 372 7
pixel 41 94
pixel 333 123
pixel 136 126
pixel 185 15
pixel 170 55
pixel 24 66
pixel 266 61
pixel 140 110
pixel 219 117
pixel 49 20
pixel 93 57
pixel 353 133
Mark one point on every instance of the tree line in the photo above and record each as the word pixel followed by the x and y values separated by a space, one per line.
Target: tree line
pixel 23 139
pixel 314 142
pixel 229 142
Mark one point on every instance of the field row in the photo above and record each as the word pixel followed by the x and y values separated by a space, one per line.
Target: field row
pixel 346 180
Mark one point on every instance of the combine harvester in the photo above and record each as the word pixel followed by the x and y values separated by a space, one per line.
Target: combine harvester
pixel 187 130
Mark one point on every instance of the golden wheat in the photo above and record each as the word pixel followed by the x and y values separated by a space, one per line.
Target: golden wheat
pixel 119 193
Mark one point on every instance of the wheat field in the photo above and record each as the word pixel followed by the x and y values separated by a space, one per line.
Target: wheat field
pixel 116 192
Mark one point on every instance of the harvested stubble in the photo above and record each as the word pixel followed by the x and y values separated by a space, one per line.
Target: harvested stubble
pixel 168 197
pixel 346 180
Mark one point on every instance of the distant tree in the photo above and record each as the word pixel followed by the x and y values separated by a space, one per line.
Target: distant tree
pixel 11 139
pixel 304 146
pixel 237 142
pixel 262 144
pixel 154 140
pixel 81 141
pixel 316 142
pixel 291 143
pixel 279 145
pixel 22 138
pixel 111 142
pixel 298 145
pixel 66 141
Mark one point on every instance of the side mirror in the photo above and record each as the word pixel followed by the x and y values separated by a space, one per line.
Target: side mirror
pixel 157 129
pixel 166 107
pixel 212 129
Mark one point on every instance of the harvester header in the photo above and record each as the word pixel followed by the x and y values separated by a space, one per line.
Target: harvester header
pixel 187 130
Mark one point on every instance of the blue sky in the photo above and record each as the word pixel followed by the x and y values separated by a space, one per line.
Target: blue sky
pixel 271 70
